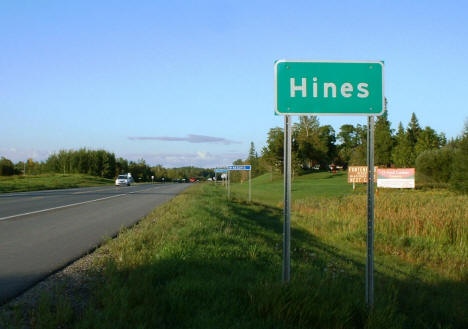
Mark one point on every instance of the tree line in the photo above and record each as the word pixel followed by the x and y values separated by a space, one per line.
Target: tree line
pixel 99 163
pixel 314 147
pixel 438 162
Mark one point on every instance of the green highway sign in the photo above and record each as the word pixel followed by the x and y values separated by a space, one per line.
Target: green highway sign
pixel 329 88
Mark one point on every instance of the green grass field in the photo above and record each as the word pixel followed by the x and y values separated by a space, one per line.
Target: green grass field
pixel 270 191
pixel 49 182
pixel 200 261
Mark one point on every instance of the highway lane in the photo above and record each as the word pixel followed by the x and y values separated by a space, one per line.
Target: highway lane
pixel 36 245
pixel 13 204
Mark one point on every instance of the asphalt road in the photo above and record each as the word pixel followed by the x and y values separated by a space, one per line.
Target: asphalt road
pixel 43 231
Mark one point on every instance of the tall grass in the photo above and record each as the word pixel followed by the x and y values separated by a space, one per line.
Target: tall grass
pixel 429 228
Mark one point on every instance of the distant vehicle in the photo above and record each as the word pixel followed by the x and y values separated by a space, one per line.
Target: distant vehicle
pixel 124 180
pixel 192 180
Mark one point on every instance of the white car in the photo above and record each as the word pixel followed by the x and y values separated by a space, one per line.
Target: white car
pixel 124 180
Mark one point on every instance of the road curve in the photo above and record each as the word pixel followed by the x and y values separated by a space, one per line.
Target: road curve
pixel 41 232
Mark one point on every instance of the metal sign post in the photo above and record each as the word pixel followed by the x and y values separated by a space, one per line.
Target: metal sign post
pixel 287 200
pixel 250 186
pixel 221 171
pixel 330 88
pixel 228 186
pixel 244 168
pixel 370 213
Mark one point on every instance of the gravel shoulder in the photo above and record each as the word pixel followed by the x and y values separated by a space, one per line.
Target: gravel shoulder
pixel 71 287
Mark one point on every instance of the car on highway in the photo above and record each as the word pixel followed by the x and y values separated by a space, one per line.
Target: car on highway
pixel 124 180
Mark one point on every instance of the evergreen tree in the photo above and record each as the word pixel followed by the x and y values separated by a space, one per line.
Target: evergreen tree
pixel 383 141
pixel 252 152
pixel 413 129
pixel 403 151
pixel 253 160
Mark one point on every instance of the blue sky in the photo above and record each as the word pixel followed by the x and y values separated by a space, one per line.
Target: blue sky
pixel 191 82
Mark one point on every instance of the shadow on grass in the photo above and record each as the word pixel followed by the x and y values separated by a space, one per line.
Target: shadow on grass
pixel 226 274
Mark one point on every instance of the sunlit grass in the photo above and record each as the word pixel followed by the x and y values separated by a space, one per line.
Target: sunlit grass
pixel 49 182
pixel 426 228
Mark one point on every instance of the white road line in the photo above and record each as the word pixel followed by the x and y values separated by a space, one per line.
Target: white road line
pixel 92 191
pixel 65 206
pixel 34 193
pixel 135 192
pixel 29 193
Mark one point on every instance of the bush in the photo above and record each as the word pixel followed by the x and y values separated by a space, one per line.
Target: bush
pixel 435 166
pixel 459 178
pixel 6 167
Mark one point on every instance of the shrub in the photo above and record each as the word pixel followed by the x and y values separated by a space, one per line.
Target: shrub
pixel 6 167
pixel 435 166
pixel 459 178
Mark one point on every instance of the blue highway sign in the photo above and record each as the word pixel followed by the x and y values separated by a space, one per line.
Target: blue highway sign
pixel 242 167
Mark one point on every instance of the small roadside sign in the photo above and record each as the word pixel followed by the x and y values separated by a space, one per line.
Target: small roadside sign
pixel 396 178
pixel 358 174
pixel 218 170
pixel 245 168
pixel 241 167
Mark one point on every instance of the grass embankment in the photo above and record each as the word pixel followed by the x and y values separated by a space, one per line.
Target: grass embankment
pixel 202 262
pixel 49 182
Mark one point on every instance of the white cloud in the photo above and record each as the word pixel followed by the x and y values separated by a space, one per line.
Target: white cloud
pixel 202 155
pixel 16 155
pixel 197 159
pixel 191 138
